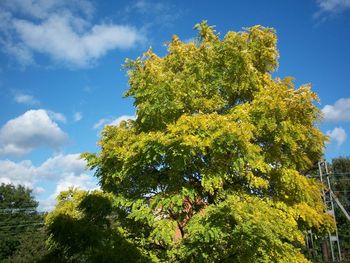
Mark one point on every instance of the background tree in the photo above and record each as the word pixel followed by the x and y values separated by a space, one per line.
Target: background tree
pixel 18 217
pixel 212 168
pixel 32 247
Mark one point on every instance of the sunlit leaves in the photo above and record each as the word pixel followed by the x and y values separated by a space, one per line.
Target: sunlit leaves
pixel 213 168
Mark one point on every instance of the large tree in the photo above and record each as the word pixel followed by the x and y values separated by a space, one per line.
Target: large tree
pixel 212 169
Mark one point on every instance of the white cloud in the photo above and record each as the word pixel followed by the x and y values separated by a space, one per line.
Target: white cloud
pixel 31 130
pixel 53 169
pixel 338 135
pixel 340 111
pixel 26 99
pixel 63 170
pixel 333 6
pixel 107 121
pixel 82 181
pixel 62 30
pixel 58 38
pixel 61 166
pixel 17 173
pixel 77 116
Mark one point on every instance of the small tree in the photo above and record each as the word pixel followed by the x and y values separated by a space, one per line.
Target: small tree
pixel 82 228
pixel 212 169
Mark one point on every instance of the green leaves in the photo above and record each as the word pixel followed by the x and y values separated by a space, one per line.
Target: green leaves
pixel 82 228
pixel 246 229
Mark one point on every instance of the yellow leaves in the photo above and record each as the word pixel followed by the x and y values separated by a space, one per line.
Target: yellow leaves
pixel 212 181
pixel 208 77
pixel 211 119
pixel 249 228
pixel 67 204
pixel 314 218
pixel 256 182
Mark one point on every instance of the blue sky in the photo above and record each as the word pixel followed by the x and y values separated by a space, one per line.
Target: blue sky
pixel 61 77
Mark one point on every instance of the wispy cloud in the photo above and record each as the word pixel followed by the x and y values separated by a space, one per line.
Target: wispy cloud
pixel 33 129
pixel 77 116
pixel 333 6
pixel 155 13
pixel 337 135
pixel 26 99
pixel 330 8
pixel 100 123
pixel 57 116
pixel 43 8
pixel 340 111
pixel 61 30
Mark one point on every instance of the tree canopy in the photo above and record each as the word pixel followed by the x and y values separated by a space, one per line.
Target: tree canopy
pixel 213 168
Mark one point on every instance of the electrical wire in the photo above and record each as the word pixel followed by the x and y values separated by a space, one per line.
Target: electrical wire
pixel 21 225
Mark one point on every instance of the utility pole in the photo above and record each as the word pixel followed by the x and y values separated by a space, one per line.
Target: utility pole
pixel 327 193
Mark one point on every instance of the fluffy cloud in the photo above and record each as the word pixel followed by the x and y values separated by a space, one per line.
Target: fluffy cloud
pixel 338 135
pixel 107 121
pixel 17 173
pixel 26 99
pixel 31 130
pixel 62 30
pixel 53 169
pixel 58 38
pixel 63 170
pixel 83 181
pixel 333 6
pixel 61 166
pixel 340 111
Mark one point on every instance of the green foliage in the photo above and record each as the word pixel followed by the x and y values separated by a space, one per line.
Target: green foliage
pixel 212 169
pixel 18 217
pixel 82 229
pixel 32 247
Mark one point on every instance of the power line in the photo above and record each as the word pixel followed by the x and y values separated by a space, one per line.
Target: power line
pixel 344 173
pixel 14 226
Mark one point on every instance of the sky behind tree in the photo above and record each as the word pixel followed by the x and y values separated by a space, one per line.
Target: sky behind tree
pixel 61 75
